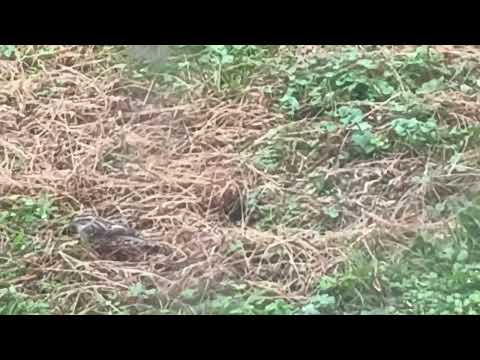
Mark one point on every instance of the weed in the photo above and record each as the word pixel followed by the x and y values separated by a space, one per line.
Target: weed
pixel 434 277
pixel 223 67
pixel 7 51
pixel 22 219
pixel 14 303
pixel 416 132
pixel 362 137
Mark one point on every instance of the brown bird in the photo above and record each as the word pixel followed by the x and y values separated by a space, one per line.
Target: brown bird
pixel 111 238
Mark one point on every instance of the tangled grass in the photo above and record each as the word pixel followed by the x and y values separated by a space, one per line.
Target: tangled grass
pixel 76 128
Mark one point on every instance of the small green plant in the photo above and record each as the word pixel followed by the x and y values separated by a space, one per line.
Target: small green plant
pixel 7 51
pixel 271 155
pixel 270 209
pixel 224 67
pixel 355 76
pixel 362 137
pixel 22 218
pixel 13 302
pixel 248 301
pixel 253 304
pixel 433 277
pixel 416 132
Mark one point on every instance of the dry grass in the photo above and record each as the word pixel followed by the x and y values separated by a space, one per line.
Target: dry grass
pixel 75 127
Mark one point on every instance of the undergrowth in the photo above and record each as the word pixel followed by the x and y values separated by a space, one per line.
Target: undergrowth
pixel 366 104
pixel 373 146
pixel 21 220
pixel 435 276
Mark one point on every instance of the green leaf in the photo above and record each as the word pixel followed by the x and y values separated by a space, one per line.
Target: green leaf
pixel 188 294
pixel 462 255
pixel 367 63
pixel 465 88
pixel 326 282
pixel 227 59
pixel 363 140
pixel 475 297
pixel 7 50
pixel 29 202
pixel 323 300
pixel 309 309
pixel 136 290
pixel 448 253
pixel 236 246
pixel 350 115
pixel 384 87
pixel 290 102
pixel 329 126
pixel 332 212
pixel 364 126
pixel 239 287
pixel 430 86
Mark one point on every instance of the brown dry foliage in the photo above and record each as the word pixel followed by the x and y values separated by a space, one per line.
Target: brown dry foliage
pixel 74 127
